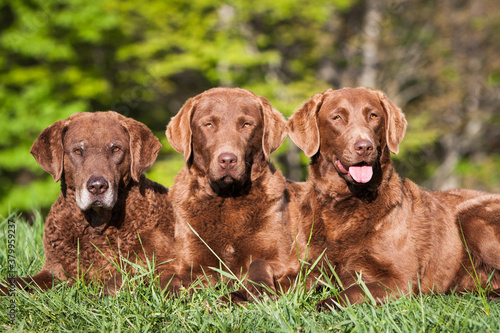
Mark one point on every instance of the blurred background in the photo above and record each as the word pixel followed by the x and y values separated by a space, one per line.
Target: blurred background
pixel 437 60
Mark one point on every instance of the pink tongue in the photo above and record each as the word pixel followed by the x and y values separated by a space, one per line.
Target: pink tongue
pixel 361 174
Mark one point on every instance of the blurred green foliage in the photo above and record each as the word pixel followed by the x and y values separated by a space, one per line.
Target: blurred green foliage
pixel 146 59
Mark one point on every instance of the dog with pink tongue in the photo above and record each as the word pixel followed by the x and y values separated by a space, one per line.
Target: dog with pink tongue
pixel 356 216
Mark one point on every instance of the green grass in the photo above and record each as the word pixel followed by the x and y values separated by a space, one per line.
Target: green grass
pixel 144 308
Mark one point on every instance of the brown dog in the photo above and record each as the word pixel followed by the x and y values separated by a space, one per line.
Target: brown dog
pixel 229 201
pixel 107 208
pixel 372 223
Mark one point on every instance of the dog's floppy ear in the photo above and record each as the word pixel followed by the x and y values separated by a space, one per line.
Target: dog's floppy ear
pixel 144 146
pixel 274 128
pixel 179 132
pixel 395 123
pixel 48 149
pixel 303 125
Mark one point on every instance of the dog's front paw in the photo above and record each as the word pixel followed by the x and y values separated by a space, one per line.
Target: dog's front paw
pixel 494 295
pixel 239 297
pixel 113 286
pixel 172 285
pixel 328 304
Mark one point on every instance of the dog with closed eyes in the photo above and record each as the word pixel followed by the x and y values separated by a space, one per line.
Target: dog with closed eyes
pixel 229 201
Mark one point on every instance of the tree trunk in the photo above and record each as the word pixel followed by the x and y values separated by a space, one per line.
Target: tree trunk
pixel 371 34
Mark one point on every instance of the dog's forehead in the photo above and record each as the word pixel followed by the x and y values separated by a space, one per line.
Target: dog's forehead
pixel 227 105
pixel 95 129
pixel 351 99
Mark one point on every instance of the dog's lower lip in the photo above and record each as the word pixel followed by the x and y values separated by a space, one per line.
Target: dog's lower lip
pixel 341 167
pixel 223 181
pixel 226 179
pixel 97 203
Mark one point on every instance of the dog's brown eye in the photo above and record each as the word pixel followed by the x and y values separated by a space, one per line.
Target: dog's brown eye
pixel 116 149
pixel 336 117
pixel 208 125
pixel 78 151
pixel 373 116
pixel 245 125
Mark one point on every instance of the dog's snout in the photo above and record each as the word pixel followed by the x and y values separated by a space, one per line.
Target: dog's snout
pixel 363 147
pixel 227 160
pixel 97 185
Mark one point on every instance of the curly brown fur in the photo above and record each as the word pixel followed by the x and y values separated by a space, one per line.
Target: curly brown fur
pixel 107 209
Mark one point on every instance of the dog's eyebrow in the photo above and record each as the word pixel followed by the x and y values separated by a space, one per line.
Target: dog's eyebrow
pixel 246 117
pixel 341 109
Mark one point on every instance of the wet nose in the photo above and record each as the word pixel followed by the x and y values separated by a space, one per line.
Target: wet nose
pixel 227 160
pixel 363 147
pixel 97 185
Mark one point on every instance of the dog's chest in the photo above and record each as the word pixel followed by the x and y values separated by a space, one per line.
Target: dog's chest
pixel 343 229
pixel 80 247
pixel 358 235
pixel 226 226
pixel 225 218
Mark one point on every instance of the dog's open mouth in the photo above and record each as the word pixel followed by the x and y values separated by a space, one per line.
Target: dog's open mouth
pixel 360 173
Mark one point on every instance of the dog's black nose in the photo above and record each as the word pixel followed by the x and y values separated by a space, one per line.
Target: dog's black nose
pixel 363 147
pixel 97 185
pixel 227 160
